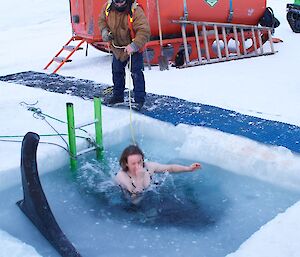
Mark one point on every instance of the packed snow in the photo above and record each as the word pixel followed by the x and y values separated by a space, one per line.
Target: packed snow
pixel 13 247
pixel 265 87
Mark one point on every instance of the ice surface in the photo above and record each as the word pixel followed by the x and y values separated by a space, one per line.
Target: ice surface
pixel 13 247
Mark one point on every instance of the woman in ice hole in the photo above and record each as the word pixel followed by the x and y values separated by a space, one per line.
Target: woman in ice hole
pixel 135 175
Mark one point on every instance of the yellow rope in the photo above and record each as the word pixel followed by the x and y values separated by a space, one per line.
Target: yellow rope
pixel 129 94
pixel 130 107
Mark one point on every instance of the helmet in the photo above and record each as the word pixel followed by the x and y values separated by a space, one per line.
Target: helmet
pixel 120 5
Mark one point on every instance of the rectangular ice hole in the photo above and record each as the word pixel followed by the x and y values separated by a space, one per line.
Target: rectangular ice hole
pixel 207 213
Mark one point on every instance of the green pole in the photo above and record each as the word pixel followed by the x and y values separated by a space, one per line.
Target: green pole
pixel 71 135
pixel 98 128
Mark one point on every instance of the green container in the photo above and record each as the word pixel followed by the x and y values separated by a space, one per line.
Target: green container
pixel 297 2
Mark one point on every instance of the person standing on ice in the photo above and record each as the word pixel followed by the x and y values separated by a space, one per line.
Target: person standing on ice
pixel 123 23
pixel 135 174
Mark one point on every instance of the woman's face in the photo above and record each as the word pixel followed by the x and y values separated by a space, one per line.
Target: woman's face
pixel 134 162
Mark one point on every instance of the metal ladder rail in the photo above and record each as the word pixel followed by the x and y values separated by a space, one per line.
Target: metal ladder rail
pixel 204 31
pixel 198 43
pixel 260 43
pixel 243 42
pixel 271 41
pixel 254 40
pixel 254 30
pixel 217 42
pixel 186 50
pixel 236 40
pixel 225 43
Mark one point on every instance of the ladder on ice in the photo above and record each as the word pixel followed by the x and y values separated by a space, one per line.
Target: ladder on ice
pixel 219 42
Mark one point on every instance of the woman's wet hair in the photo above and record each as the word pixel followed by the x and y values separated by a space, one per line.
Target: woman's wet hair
pixel 129 150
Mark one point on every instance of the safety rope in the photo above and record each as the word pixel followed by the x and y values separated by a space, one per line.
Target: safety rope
pixel 38 114
pixel 130 106
pixel 108 90
pixel 40 142
pixel 43 135
pixel 129 93
pixel 8 139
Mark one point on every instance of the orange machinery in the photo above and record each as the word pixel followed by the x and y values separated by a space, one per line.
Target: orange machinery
pixel 85 13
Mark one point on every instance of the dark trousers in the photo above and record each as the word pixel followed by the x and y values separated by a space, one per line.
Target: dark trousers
pixel 118 72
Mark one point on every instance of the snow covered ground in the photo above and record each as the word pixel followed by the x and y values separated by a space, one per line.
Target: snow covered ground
pixel 265 87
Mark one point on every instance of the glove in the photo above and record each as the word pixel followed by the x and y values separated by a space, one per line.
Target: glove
pixel 131 48
pixel 106 35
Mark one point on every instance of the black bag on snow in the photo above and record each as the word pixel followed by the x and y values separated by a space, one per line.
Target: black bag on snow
pixel 268 19
pixel 179 58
